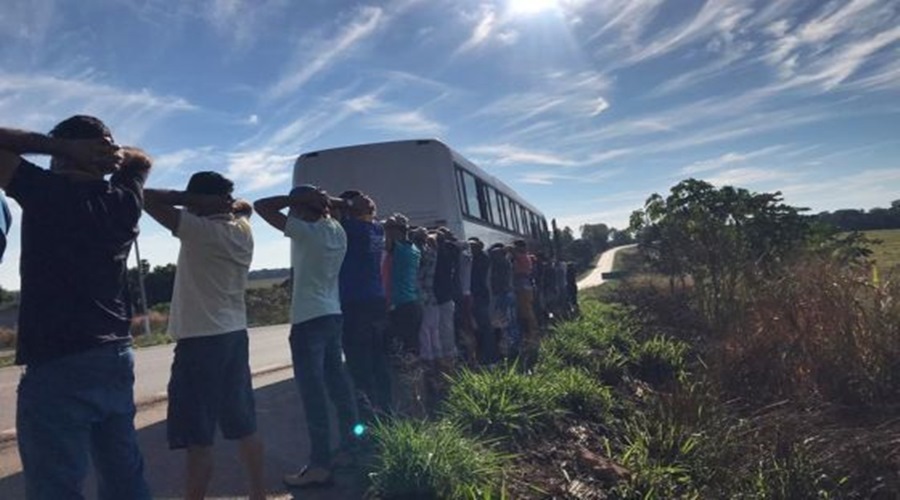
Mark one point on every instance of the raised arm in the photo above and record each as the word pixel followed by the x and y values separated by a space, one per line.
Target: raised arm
pixel 270 209
pixel 97 155
pixel 161 205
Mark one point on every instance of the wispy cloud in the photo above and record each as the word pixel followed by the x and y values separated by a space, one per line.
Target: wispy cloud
pixel 727 159
pixel 130 113
pixel 714 17
pixel 487 21
pixel 243 20
pixel 29 21
pixel 558 95
pixel 260 169
pixel 325 52
pixel 507 154
pixel 405 122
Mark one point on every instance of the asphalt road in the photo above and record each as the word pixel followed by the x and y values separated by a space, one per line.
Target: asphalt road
pixel 604 265
pixel 268 349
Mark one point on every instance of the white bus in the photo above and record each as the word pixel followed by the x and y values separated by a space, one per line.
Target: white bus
pixel 431 184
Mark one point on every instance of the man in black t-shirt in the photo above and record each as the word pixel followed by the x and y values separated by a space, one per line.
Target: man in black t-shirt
pixel 76 397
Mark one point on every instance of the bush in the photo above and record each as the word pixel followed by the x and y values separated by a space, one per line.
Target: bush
pixel 425 460
pixel 7 338
pixel 822 329
pixel 268 306
pixel 660 360
pixel 575 391
pixel 500 403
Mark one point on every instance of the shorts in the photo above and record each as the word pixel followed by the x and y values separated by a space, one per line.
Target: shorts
pixel 210 386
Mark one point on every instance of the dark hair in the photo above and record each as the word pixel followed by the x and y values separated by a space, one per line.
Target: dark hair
pixel 210 183
pixel 520 244
pixel 81 127
pixel 350 193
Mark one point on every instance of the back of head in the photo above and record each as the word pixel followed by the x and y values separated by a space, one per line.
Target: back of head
pixel 210 183
pixel 81 127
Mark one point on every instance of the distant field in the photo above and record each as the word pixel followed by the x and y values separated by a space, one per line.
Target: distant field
pixel 887 254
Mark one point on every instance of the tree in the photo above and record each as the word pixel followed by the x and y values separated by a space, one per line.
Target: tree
pixel 597 235
pixel 158 284
pixel 722 238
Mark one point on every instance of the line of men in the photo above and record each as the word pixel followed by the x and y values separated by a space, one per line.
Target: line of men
pixel 75 397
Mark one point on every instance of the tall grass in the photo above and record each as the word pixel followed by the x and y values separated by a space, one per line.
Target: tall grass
pixel 821 330
pixel 433 460
pixel 500 403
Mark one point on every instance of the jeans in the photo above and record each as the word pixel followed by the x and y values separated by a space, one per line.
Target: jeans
pixel 316 354
pixel 484 332
pixel 74 409
pixel 366 350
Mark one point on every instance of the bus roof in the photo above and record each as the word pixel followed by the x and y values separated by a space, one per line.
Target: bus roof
pixel 455 155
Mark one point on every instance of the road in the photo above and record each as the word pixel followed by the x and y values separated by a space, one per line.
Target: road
pixel 268 349
pixel 604 265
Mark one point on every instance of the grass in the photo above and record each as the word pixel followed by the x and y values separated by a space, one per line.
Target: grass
pixel 500 403
pixel 886 254
pixel 433 460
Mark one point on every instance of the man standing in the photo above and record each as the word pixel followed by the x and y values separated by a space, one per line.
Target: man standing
pixel 523 267
pixel 363 302
pixel 481 302
pixel 318 245
pixel 76 398
pixel 211 383
pixel 406 313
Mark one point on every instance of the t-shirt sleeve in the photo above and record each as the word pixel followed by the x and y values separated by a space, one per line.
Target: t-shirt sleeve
pixel 31 184
pixel 195 229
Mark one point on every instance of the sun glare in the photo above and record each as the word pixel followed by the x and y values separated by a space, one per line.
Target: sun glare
pixel 530 7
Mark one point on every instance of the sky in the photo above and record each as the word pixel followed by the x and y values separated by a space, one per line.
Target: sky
pixel 585 107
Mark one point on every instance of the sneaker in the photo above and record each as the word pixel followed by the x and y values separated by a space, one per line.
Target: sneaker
pixel 309 477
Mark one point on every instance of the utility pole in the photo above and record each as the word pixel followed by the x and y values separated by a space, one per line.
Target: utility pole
pixel 140 268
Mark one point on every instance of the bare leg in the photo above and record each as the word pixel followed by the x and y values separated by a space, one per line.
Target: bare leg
pixel 252 456
pixel 199 472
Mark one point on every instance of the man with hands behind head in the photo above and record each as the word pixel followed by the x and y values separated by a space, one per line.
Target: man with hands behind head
pixel 318 246
pixel 211 383
pixel 76 397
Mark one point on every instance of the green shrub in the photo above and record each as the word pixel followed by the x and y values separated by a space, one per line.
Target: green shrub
pixel 500 402
pixel 425 460
pixel 575 391
pixel 660 360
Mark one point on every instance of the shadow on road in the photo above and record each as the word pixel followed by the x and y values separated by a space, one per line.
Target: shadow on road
pixel 281 422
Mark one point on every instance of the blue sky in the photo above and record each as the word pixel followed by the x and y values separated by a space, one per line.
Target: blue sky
pixel 584 106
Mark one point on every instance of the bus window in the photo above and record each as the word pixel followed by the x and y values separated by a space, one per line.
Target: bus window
pixel 525 221
pixel 472 198
pixel 501 209
pixel 535 231
pixel 513 216
pixel 491 203
pixel 461 192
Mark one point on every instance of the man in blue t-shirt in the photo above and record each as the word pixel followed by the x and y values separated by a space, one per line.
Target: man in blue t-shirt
pixel 363 302
pixel 76 398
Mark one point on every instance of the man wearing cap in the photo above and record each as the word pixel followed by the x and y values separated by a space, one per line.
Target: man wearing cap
pixel 211 383
pixel 318 245
pixel 76 397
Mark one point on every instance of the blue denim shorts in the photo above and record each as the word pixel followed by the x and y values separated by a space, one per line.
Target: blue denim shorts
pixel 210 386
